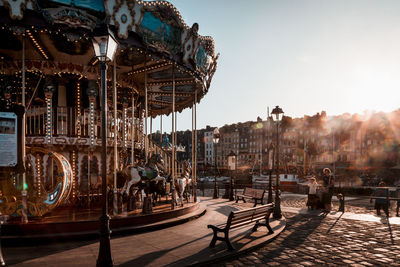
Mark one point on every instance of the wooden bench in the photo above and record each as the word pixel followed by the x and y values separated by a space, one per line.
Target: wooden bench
pixel 256 194
pixel 242 218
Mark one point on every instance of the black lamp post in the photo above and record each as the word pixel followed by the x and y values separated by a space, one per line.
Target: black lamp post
pixel 105 46
pixel 271 148
pixel 278 112
pixel 216 136
pixel 232 167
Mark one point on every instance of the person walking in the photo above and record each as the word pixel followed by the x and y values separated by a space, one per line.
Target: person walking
pixel 312 201
pixel 380 194
pixel 327 191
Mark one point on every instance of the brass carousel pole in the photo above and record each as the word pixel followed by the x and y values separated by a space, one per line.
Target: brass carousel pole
pixel 193 188
pixel 173 140
pixel 133 124
pixel 151 132
pixel 161 130
pixel 195 147
pixel 24 186
pixel 146 148
pixel 88 180
pixel 176 144
pixel 133 130
pixel 115 199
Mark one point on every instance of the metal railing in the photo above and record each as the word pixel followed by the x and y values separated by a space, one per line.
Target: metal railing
pixel 68 122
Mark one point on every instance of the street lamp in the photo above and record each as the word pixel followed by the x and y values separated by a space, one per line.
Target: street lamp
pixel 278 112
pixel 216 136
pixel 232 167
pixel 270 168
pixel 105 47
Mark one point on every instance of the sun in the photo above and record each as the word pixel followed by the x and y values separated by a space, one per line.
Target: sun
pixel 373 87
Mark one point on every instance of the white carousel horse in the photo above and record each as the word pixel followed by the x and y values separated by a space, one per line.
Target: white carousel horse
pixel 133 178
pixel 182 184
pixel 147 178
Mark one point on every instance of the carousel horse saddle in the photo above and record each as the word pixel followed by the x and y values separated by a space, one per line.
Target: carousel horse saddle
pixel 149 173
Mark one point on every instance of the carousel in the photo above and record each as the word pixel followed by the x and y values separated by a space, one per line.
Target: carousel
pixel 92 75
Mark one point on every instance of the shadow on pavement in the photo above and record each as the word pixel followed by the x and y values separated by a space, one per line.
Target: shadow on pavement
pixel 150 257
pixel 239 240
pixel 17 254
pixel 336 221
pixel 385 220
pixel 300 226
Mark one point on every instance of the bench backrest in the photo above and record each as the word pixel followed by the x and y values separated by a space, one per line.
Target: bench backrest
pixel 243 217
pixel 253 192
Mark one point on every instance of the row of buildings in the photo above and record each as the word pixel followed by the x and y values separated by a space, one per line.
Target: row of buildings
pixel 348 144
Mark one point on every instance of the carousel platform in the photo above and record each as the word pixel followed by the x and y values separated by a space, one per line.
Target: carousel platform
pixel 64 223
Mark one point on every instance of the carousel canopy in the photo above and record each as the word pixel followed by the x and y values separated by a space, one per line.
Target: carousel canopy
pixel 156 47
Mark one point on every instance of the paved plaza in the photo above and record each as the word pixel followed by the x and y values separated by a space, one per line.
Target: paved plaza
pixel 310 238
pixel 315 239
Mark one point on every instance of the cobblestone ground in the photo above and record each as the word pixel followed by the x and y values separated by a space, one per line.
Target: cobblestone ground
pixel 315 240
pixel 359 205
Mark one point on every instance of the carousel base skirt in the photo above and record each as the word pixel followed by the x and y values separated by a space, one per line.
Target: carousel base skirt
pixel 67 223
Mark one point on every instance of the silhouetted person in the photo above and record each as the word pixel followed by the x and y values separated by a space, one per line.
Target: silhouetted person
pixel 381 202
pixel 341 202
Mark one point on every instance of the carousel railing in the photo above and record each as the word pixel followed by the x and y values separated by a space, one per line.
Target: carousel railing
pixel 35 121
pixel 68 122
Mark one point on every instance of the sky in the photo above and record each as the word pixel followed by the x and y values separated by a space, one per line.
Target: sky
pixel 303 55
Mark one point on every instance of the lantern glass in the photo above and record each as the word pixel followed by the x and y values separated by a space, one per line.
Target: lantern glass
pixel 278 112
pixel 112 47
pixel 105 45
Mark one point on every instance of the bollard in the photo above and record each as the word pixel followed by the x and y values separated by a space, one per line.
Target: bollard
pixel 147 206
pixel 341 203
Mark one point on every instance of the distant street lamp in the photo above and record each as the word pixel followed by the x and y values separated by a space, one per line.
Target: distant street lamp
pixel 216 136
pixel 105 47
pixel 270 167
pixel 232 167
pixel 278 112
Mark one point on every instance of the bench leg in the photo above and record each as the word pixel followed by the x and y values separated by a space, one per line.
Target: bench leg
pixel 270 231
pixel 214 239
pixel 255 227
pixel 237 199
pixel 228 242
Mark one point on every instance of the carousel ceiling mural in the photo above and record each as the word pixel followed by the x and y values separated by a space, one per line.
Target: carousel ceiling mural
pixel 156 47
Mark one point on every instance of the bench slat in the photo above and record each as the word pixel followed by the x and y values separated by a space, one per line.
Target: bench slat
pixel 251 215
pixel 259 208
pixel 247 220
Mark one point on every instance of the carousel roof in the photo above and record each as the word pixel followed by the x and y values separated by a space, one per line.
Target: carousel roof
pixel 154 42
